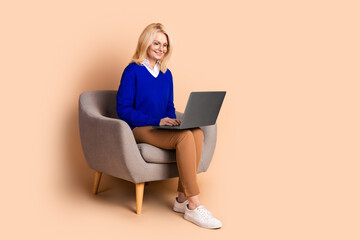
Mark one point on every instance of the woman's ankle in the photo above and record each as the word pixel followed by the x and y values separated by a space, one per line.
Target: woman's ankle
pixel 181 197
pixel 194 202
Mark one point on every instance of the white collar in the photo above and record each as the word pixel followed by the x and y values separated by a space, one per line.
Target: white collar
pixel 154 71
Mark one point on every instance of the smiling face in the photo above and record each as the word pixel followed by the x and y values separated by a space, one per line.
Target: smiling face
pixel 157 48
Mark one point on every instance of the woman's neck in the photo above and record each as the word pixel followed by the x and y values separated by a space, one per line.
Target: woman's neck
pixel 152 63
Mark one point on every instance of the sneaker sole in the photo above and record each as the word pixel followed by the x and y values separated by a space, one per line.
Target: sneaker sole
pixel 190 220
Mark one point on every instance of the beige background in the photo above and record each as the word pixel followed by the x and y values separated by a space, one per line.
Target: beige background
pixel 286 164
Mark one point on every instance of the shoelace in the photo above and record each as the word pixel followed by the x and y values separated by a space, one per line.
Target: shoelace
pixel 204 212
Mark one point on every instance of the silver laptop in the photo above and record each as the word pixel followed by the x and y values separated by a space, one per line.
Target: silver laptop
pixel 202 109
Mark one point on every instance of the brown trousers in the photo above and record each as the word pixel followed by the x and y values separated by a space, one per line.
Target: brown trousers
pixel 188 145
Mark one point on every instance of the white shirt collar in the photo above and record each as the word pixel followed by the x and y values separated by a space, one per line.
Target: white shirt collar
pixel 154 71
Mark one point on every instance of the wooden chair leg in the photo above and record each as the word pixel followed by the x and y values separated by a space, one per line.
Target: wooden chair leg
pixel 139 196
pixel 96 181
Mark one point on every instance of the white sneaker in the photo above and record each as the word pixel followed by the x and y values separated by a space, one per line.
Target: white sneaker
pixel 180 207
pixel 202 217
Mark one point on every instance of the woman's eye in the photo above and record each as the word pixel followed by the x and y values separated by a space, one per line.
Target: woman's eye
pixel 156 43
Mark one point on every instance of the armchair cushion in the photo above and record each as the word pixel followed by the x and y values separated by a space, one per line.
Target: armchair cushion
pixel 152 154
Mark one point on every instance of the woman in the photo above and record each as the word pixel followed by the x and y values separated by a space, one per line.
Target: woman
pixel 145 98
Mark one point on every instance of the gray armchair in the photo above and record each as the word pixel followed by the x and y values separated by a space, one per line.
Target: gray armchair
pixel 109 146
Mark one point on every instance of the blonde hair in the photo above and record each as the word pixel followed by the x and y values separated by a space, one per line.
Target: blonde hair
pixel 146 38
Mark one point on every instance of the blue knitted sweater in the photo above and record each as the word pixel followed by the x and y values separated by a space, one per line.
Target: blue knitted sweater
pixel 142 99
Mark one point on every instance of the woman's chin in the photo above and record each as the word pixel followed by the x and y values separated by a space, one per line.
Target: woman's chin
pixel 158 57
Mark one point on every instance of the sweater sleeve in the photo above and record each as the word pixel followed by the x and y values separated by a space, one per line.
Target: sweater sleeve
pixel 125 102
pixel 170 109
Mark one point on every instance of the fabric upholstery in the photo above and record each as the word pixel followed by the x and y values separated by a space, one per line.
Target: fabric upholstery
pixel 154 154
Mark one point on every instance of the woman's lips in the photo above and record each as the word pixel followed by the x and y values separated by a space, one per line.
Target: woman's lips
pixel 159 54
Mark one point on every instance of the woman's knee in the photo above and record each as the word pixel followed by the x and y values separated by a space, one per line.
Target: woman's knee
pixel 198 134
pixel 185 134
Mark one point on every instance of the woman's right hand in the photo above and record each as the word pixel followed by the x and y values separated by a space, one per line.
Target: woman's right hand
pixel 169 122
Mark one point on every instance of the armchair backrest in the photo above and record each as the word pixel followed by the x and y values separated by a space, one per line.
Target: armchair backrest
pixel 102 102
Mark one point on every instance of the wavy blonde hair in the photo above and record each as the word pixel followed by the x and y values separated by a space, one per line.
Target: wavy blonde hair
pixel 146 38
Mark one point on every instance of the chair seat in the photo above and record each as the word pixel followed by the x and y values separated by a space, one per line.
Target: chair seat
pixel 152 154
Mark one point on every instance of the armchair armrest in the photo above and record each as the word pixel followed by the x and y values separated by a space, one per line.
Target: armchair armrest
pixel 108 144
